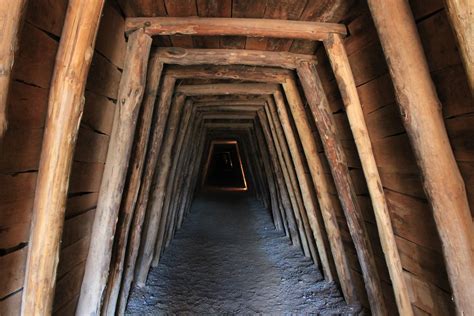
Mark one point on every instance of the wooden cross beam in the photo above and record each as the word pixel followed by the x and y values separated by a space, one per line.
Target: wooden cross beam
pixel 227 88
pixel 303 30
pixel 225 57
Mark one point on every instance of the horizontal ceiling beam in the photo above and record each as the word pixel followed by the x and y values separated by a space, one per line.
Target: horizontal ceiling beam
pixel 304 30
pixel 190 56
pixel 236 72
pixel 227 88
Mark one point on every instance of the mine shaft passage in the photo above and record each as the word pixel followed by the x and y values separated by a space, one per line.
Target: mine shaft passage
pixel 228 258
pixel 224 168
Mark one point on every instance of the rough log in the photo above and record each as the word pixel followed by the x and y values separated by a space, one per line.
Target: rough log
pixel 160 116
pixel 189 57
pixel 460 14
pixel 280 150
pixel 322 185
pixel 312 31
pixel 304 228
pixel 155 205
pixel 134 180
pixel 423 121
pixel 170 193
pixel 345 80
pixel 309 196
pixel 129 98
pixel 191 174
pixel 322 115
pixel 227 88
pixel 11 16
pixel 236 72
pixel 65 106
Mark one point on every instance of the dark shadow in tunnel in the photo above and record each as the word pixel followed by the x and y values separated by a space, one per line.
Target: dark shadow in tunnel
pixel 224 169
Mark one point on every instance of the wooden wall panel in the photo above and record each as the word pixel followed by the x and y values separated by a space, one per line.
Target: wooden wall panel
pixel 412 218
pixel 89 157
pixel 20 149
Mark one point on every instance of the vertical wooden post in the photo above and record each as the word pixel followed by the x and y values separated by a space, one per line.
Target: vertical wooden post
pixel 65 106
pixel 134 180
pixel 460 14
pixel 155 205
pixel 322 186
pixel 345 80
pixel 305 228
pixel 129 99
pixel 160 116
pixel 421 115
pixel 309 196
pixel 297 233
pixel 286 162
pixel 170 193
pixel 11 16
pixel 322 114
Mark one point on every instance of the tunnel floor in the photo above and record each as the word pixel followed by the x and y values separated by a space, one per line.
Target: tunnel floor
pixel 227 258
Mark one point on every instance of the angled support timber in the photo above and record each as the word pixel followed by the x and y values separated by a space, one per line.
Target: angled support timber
pixel 65 106
pixel 345 80
pixel 322 115
pixel 127 208
pixel 155 204
pixel 421 115
pixel 130 95
pixel 138 223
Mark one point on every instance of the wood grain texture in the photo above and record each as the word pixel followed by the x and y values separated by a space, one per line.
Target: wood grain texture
pixel 442 182
pixel 198 26
pixel 65 111
pixel 131 90
pixel 11 15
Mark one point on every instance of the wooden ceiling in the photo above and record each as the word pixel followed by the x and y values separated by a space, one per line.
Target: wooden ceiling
pixel 304 10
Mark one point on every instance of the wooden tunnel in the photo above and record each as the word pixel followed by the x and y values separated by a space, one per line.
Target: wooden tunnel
pixel 355 120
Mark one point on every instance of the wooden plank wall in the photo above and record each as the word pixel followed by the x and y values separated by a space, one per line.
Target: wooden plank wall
pixel 21 149
pixel 412 219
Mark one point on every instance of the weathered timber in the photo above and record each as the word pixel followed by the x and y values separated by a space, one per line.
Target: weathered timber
pixel 313 31
pixel 129 97
pixel 460 15
pixel 170 194
pixel 65 106
pixel 138 222
pixel 127 207
pixel 322 186
pixel 227 88
pixel 275 147
pixel 423 121
pixel 318 103
pixel 342 70
pixel 236 72
pixel 286 165
pixel 309 249
pixel 189 57
pixel 309 196
pixel 155 205
pixel 11 15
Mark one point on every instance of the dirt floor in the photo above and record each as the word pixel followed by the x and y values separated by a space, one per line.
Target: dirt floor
pixel 227 258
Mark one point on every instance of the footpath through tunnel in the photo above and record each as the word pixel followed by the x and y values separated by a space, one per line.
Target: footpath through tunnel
pixel 229 259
